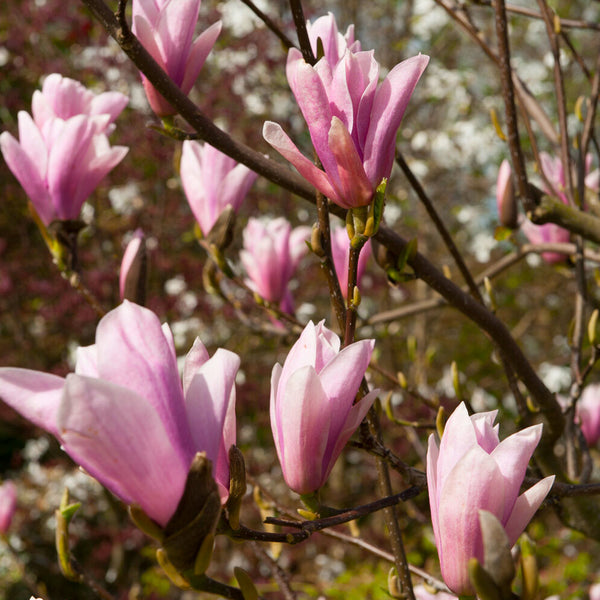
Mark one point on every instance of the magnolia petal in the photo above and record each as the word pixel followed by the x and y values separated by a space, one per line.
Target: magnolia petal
pixel 34 395
pixel 276 430
pixel 459 437
pixel 433 453
pixel 134 353
pixel 199 52
pixel 389 104
pixel 207 401
pixel 474 484
pixel 303 430
pixel 355 188
pixel 235 186
pixel 512 456
pixel 28 175
pixel 274 135
pixel 525 507
pixel 194 360
pixel 87 361
pixel 342 375
pixel 338 437
pixel 120 439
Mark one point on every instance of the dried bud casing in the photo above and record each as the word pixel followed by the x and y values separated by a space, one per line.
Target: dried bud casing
pixel 196 516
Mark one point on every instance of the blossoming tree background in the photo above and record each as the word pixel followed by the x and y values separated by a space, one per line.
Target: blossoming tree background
pixel 476 293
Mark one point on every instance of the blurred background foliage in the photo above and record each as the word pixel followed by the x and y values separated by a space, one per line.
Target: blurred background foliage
pixel 449 141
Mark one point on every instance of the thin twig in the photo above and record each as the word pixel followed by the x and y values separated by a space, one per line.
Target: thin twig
pixel 285 40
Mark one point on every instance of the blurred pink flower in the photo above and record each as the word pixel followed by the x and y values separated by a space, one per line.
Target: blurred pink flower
pixel 549 233
pixel 588 412
pixel 472 471
pixel 65 98
pixel 166 29
pixel 313 413
pixel 270 256
pixel 63 152
pixel 595 591
pixel 125 416
pixel 340 250
pixel 422 594
pixel 352 121
pixel 334 43
pixel 8 505
pixel 211 181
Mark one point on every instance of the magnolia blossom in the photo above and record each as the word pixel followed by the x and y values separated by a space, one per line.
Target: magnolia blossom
pixel 211 181
pixel 8 505
pixel 126 417
pixel 63 153
pixel 313 413
pixel 421 593
pixel 472 471
pixel 272 250
pixel 340 250
pixel 65 98
pixel 352 121
pixel 588 412
pixel 166 29
pixel 334 43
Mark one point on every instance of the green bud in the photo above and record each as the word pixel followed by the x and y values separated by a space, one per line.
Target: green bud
pixel 482 582
pixel 246 584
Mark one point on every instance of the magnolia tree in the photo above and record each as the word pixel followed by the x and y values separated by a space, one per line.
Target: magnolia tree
pixel 223 345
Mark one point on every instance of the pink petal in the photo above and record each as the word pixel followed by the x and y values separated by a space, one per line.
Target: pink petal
pixel 512 456
pixel 194 360
pixel 525 507
pixel 134 353
pixel 34 395
pixel 474 484
pixel 355 188
pixel 391 100
pixel 207 401
pixel 28 175
pixel 303 429
pixel 432 488
pixel 111 103
pixel 87 361
pixel 120 439
pixel 199 52
pixel 275 136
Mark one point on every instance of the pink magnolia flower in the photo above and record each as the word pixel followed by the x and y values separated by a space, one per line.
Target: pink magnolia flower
pixel 211 181
pixel 65 98
pixel 166 29
pixel 588 412
pixel 334 43
pixel 270 256
pixel 352 121
pixel 549 233
pixel 313 413
pixel 125 416
pixel 62 154
pixel 340 250
pixel 8 504
pixel 472 471
pixel 131 258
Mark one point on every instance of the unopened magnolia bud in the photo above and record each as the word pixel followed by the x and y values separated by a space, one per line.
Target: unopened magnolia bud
pixel 196 516
pixel 498 560
pixel 530 576
pixel 315 241
pixel 394 584
pixel 592 323
pixel 506 198
pixel 246 584
pixel 456 380
pixel 237 486
pixel 439 421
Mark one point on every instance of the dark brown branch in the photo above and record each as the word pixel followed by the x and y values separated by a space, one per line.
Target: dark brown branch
pixel 300 23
